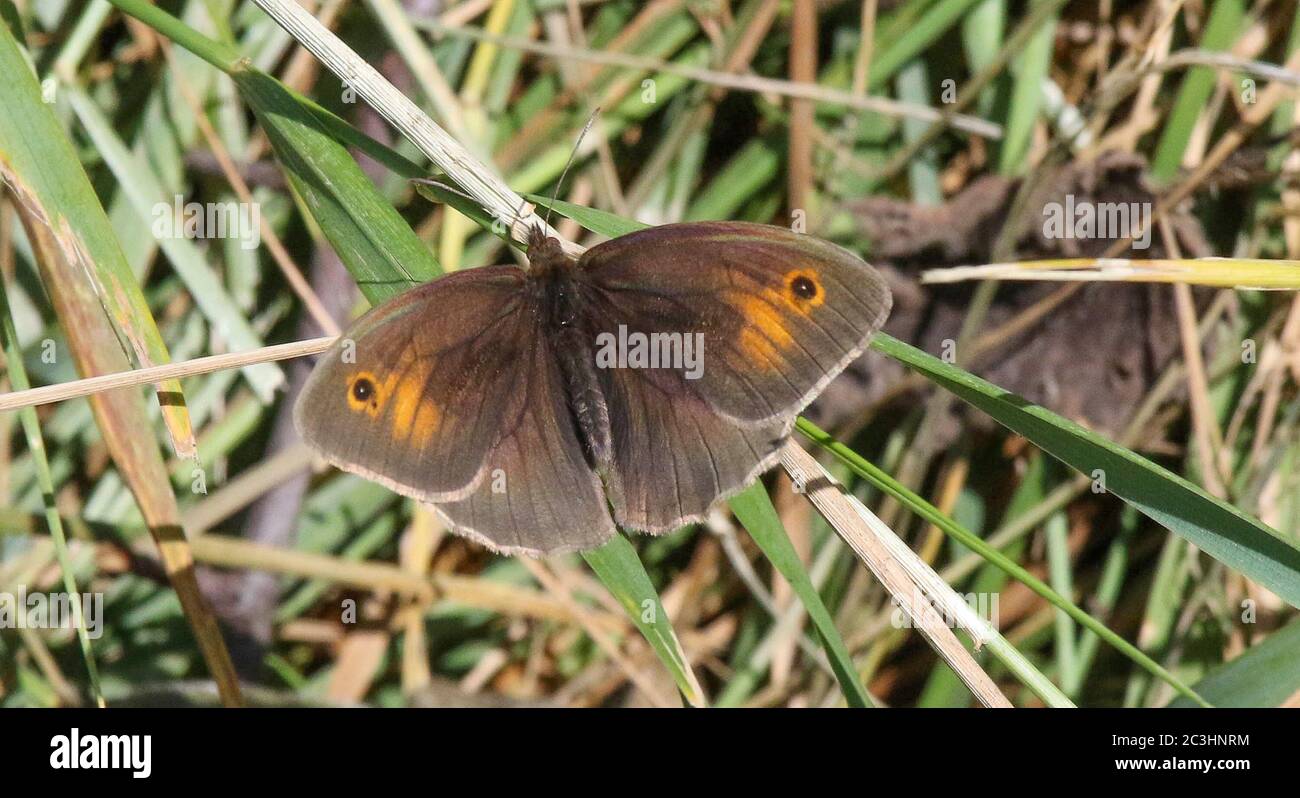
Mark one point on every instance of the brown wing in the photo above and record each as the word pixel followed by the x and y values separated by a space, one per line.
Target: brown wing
pixel 459 406
pixel 673 454
pixel 780 313
pixel 538 494
pixel 414 393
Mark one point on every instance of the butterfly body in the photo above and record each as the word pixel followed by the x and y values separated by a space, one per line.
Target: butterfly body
pixel 555 283
pixel 636 385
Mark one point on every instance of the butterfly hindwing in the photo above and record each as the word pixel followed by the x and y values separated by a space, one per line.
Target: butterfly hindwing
pixel 538 495
pixel 671 459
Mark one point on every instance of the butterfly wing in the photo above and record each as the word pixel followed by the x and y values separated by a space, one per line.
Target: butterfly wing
pixel 539 495
pixel 439 393
pixel 779 315
pixel 673 454
pixel 413 394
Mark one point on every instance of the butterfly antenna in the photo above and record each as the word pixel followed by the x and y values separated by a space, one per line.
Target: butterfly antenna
pixel 573 154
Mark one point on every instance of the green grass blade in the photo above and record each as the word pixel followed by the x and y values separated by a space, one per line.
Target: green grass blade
pixel 41 166
pixel 1216 527
pixel 1265 675
pixel 377 246
pixel 929 512
pixel 1056 533
pixel 1220 30
pixel 142 188
pixel 753 508
pixel 36 446
pixel 228 60
pixel 916 38
pixel 374 242
pixel 1030 69
pixel 983 30
pixel 913 85
pixel 602 222
pixel 622 573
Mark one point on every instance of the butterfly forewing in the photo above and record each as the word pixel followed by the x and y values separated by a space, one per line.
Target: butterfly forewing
pixel 412 395
pixel 780 313
pixel 450 395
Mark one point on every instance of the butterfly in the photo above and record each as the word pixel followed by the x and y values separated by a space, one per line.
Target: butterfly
pixel 634 385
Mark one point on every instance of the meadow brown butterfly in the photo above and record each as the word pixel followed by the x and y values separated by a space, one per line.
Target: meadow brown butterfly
pixel 635 385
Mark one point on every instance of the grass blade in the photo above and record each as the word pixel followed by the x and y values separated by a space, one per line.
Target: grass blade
pixel 39 162
pixel 1265 675
pixel 1030 68
pixel 1240 273
pixel 121 417
pixel 957 532
pixel 36 446
pixel 376 244
pixel 145 194
pixel 626 579
pixel 69 234
pixel 753 507
pixel 1221 29
pixel 1221 530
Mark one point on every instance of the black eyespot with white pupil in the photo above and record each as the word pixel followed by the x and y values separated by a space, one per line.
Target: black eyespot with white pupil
pixel 363 389
pixel 803 287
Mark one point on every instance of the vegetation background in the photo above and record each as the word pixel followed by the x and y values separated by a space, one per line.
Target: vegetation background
pixel 1146 554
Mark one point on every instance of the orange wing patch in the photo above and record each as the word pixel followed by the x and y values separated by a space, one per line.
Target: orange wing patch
pixel 415 416
pixel 765 334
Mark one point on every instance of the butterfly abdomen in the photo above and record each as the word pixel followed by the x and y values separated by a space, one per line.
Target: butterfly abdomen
pixel 572 345
pixel 590 413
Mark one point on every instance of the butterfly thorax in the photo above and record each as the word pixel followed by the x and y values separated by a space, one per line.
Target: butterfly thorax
pixel 554 281
pixel 546 256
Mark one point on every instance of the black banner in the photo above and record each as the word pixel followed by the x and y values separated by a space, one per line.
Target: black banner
pixel 208 747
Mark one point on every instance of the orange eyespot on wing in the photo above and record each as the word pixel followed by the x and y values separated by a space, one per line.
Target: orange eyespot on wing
pixel 414 416
pixel 365 394
pixel 804 290
pixel 767 333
